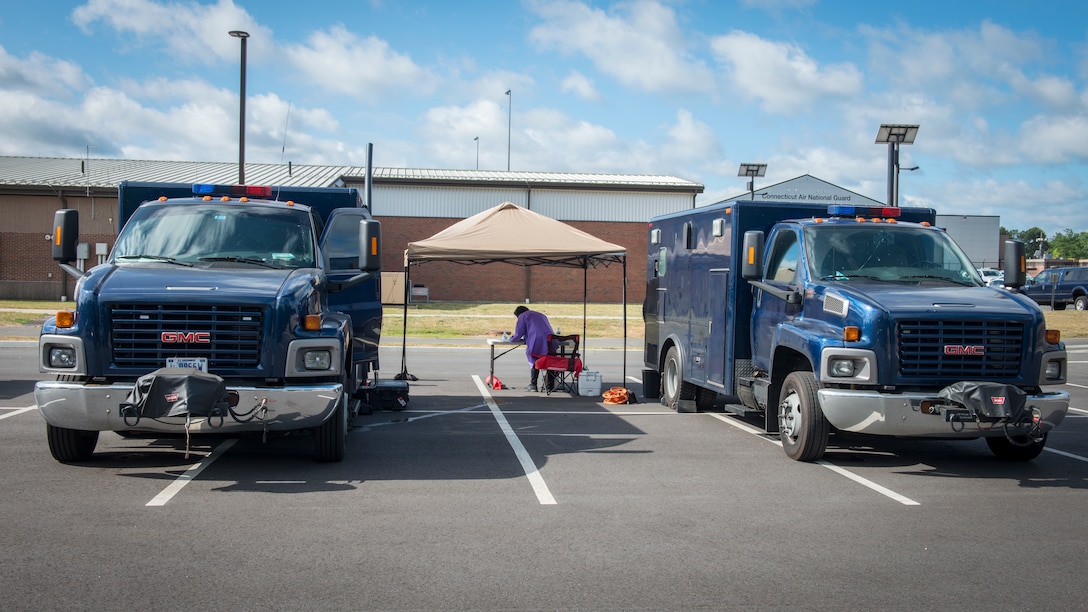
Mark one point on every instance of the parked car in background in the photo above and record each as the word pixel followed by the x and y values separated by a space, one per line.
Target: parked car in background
pixel 1059 287
pixel 990 274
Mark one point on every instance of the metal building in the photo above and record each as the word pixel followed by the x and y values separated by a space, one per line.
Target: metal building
pixel 411 203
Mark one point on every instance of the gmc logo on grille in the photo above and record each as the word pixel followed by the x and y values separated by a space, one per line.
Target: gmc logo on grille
pixel 956 349
pixel 186 337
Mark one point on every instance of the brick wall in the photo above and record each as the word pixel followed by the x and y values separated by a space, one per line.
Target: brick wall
pixel 27 270
pixel 501 282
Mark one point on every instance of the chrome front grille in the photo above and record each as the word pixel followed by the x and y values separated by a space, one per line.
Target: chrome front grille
pixel 961 349
pixel 138 331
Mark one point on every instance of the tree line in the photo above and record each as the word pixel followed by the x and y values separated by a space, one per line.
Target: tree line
pixel 1063 245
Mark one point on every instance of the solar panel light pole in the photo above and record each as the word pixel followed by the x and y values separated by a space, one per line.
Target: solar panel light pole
pixel 242 110
pixel 752 171
pixel 895 134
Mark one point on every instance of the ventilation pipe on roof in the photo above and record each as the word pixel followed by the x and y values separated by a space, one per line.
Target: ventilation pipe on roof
pixel 369 180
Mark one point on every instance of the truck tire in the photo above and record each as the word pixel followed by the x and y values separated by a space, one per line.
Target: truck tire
pixel 1081 302
pixel 802 426
pixel 69 445
pixel 1021 450
pixel 331 437
pixel 1058 305
pixel 673 386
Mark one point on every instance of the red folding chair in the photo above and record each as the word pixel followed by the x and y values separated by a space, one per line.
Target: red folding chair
pixel 562 365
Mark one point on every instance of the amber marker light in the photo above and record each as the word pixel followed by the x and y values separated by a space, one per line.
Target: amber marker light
pixel 851 333
pixel 1053 336
pixel 66 318
pixel 311 322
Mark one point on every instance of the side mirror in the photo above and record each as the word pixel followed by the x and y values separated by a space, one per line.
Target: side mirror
pixel 65 235
pixel 751 265
pixel 370 245
pixel 1015 265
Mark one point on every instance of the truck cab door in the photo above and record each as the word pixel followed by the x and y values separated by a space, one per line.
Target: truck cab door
pixel 781 270
pixel 343 258
pixel 1041 288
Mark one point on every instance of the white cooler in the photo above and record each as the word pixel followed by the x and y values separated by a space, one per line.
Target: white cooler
pixel 589 383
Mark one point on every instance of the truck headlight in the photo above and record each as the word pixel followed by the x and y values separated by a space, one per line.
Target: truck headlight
pixel 62 357
pixel 842 367
pixel 1053 370
pixel 317 360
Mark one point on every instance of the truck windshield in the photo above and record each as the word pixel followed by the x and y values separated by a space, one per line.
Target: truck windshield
pixel 204 234
pixel 886 252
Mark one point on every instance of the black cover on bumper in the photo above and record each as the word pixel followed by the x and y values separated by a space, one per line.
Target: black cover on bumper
pixel 170 392
pixel 989 401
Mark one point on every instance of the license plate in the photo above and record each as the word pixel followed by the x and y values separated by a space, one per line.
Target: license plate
pixel 197 363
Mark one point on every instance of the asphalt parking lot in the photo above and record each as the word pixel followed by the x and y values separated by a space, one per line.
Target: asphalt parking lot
pixel 474 498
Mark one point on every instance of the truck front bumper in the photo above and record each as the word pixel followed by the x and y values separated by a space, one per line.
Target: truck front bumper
pixel 96 407
pixel 885 414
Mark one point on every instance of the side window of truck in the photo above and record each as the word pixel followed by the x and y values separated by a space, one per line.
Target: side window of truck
pixel 782 264
pixel 342 243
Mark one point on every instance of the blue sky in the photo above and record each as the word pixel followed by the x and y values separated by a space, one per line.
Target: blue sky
pixel 690 88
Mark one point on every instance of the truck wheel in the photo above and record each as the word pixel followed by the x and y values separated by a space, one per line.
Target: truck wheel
pixel 69 445
pixel 801 423
pixel 1081 302
pixel 1058 305
pixel 1019 449
pixel 672 382
pixel 331 437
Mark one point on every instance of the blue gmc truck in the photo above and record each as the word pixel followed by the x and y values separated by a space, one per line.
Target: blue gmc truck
pixel 846 319
pixel 220 309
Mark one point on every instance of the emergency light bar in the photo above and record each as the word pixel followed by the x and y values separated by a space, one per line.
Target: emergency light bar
pixel 235 191
pixel 844 210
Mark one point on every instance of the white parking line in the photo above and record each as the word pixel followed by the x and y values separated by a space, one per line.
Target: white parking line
pixel 906 501
pixel 543 495
pixel 175 487
pixel 1065 454
pixel 15 411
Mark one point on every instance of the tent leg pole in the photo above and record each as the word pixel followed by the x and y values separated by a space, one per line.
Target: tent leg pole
pixel 404 375
pixel 585 299
pixel 624 347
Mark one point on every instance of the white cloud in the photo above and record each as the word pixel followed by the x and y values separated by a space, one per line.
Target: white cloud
pixel 367 69
pixel 640 44
pixel 1055 139
pixel 781 76
pixel 192 32
pixel 40 74
pixel 580 85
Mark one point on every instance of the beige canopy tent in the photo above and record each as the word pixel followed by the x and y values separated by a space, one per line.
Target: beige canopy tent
pixel 511 234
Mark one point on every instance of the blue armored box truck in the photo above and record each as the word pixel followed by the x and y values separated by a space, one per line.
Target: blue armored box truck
pixel 845 319
pixel 220 309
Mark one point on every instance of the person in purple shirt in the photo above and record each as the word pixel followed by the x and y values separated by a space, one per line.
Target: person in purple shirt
pixel 533 327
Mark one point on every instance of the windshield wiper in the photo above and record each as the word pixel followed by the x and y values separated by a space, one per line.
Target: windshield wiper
pixel 935 277
pixel 839 276
pixel 248 260
pixel 162 258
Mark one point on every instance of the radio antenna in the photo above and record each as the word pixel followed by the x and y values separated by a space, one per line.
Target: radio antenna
pixel 285 122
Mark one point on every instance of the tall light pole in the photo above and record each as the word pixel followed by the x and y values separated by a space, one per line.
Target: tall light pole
pixel 895 134
pixel 509 122
pixel 242 110
pixel 477 139
pixel 752 171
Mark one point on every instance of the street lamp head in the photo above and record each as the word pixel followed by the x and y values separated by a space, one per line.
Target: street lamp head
pixel 239 34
